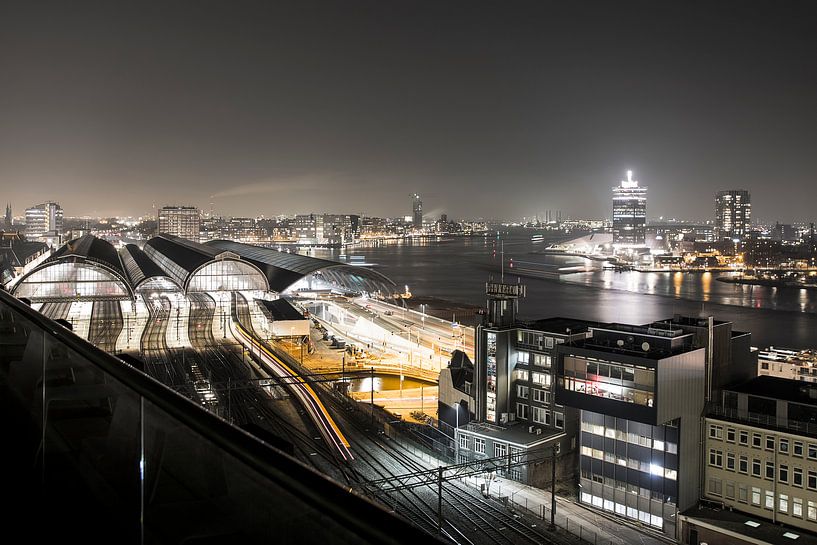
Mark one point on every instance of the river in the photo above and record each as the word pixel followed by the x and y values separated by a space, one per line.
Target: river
pixel 456 268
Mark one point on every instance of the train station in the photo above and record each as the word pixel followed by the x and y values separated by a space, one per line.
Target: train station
pixel 91 269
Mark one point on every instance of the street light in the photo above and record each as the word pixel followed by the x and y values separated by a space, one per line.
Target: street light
pixel 457 439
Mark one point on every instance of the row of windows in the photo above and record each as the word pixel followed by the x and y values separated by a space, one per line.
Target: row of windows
pixel 620 509
pixel 500 449
pixel 536 339
pixel 716 459
pixel 625 486
pixel 541 379
pixel 646 467
pixel 609 391
pixel 769 442
pixel 613 373
pixel 540 396
pixel 542 360
pixel 635 439
pixel 541 415
pixel 765 498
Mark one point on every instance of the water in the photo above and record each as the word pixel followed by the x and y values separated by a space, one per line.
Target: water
pixel 457 268
pixel 384 382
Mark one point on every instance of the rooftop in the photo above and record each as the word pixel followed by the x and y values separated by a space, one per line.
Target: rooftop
pixel 779 388
pixel 280 309
pixel 559 325
pixel 802 357
pixel 517 433
pixel 759 529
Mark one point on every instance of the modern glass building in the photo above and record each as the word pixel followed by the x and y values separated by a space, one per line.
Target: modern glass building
pixel 629 214
pixel 641 392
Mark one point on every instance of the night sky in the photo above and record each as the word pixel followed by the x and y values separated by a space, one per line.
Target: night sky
pixel 496 109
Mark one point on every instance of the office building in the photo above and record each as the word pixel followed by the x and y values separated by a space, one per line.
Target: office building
pixel 417 211
pixel 760 460
pixel 784 232
pixel 629 214
pixel 44 221
pixel 641 391
pixel 505 399
pixel 180 221
pixel 733 214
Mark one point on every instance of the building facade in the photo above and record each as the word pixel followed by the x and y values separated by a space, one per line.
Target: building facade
pixel 761 452
pixel 798 365
pixel 733 214
pixel 641 392
pixel 43 221
pixel 180 221
pixel 513 403
pixel 629 214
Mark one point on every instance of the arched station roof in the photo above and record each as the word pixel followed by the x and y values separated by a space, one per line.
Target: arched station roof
pixel 198 267
pixel 143 271
pixel 283 269
pixel 85 268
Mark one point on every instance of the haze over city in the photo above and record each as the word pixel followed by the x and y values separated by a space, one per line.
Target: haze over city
pixel 486 109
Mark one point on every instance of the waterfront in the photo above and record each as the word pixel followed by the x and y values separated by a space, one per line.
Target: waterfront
pixel 457 268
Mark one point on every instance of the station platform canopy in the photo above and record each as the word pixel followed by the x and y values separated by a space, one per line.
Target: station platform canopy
pixel 287 271
pixel 84 269
pixel 143 273
pixel 197 267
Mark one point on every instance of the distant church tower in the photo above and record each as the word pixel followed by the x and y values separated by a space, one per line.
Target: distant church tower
pixel 8 220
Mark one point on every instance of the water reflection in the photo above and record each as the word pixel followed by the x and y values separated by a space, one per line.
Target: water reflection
pixel 383 383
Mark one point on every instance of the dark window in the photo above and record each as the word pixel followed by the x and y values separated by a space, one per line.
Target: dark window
pixel 763 406
pixel 802 413
pixel 770 470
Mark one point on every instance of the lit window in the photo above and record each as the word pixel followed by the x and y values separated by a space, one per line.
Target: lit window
pixel 797 507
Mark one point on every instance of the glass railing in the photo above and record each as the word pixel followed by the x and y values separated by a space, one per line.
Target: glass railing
pixel 96 451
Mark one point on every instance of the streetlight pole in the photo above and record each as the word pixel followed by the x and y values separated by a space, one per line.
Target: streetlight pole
pixel 553 490
pixel 457 439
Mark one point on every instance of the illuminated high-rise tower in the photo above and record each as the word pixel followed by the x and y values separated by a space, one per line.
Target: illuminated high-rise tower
pixel 733 214
pixel 417 211
pixel 629 213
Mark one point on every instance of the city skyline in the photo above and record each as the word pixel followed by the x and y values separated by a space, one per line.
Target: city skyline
pixel 271 110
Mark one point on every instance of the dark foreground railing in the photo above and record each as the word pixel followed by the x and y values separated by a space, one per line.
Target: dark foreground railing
pixel 94 451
